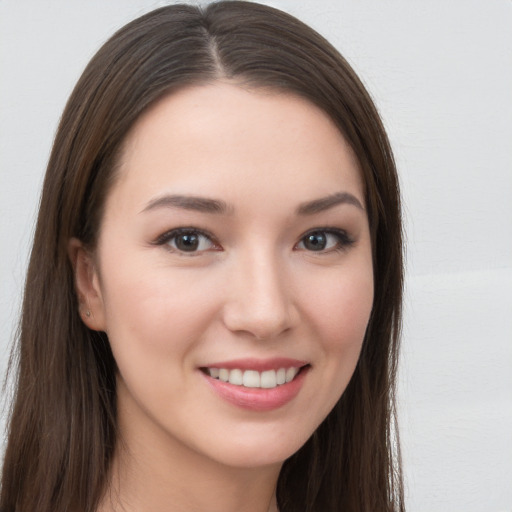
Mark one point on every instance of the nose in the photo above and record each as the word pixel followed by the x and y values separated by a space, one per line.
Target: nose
pixel 260 297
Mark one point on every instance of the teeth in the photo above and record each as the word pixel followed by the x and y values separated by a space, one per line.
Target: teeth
pixel 253 379
pixel 236 377
pixel 268 379
pixel 290 374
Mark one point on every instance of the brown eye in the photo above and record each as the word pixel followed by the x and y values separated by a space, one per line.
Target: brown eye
pixel 186 241
pixel 325 240
pixel 315 241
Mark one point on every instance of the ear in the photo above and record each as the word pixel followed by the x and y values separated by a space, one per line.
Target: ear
pixel 87 285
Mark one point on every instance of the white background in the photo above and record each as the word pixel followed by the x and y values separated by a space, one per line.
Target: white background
pixel 441 75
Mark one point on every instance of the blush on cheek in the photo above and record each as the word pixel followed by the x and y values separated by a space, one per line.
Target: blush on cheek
pixel 346 313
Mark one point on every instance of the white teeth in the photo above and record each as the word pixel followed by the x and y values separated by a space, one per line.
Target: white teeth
pixel 268 379
pixel 236 377
pixel 253 379
pixel 290 374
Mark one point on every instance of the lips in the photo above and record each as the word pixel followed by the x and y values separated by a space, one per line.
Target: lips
pixel 258 385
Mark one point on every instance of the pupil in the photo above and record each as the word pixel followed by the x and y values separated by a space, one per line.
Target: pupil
pixel 187 242
pixel 315 242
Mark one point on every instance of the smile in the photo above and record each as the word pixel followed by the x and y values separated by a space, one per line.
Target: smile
pixel 257 385
pixel 268 379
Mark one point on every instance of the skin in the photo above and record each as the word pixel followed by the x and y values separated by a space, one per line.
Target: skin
pixel 254 289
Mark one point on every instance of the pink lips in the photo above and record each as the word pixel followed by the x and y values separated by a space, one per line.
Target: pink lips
pixel 258 399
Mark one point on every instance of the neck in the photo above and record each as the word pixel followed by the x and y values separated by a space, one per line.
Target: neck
pixel 151 473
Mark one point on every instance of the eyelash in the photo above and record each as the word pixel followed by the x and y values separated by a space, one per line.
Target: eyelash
pixel 344 239
pixel 168 236
pixel 344 242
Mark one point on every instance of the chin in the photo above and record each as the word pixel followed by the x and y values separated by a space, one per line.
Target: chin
pixel 257 450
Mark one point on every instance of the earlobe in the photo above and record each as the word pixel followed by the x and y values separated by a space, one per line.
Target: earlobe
pixel 87 285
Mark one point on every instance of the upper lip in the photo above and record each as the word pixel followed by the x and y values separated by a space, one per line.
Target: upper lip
pixel 259 365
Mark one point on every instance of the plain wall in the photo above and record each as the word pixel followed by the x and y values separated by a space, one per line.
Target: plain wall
pixel 441 75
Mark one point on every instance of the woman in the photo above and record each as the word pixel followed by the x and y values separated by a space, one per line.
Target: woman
pixel 212 306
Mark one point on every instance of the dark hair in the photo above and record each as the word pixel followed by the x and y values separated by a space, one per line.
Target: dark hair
pixel 62 430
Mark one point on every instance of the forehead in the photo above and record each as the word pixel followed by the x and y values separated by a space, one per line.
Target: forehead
pixel 222 139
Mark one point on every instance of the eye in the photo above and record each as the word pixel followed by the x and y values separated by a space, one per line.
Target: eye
pixel 325 240
pixel 187 240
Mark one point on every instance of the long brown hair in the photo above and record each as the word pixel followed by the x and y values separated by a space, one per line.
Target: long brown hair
pixel 62 430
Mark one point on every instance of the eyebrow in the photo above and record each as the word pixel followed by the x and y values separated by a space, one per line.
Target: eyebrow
pixel 195 203
pixel 217 206
pixel 325 203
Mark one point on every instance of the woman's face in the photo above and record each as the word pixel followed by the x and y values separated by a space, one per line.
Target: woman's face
pixel 234 246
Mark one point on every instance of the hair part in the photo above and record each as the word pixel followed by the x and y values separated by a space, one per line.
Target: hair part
pixel 62 432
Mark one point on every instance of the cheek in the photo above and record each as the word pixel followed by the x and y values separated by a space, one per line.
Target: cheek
pixel 345 328
pixel 153 310
pixel 156 318
pixel 342 308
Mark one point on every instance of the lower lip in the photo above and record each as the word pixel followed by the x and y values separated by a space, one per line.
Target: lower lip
pixel 258 399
